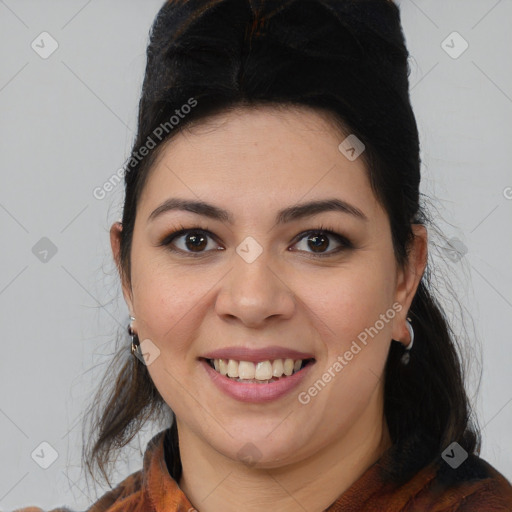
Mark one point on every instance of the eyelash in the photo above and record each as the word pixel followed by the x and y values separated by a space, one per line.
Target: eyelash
pixel 324 230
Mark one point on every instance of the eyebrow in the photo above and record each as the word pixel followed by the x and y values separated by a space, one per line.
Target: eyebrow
pixel 289 214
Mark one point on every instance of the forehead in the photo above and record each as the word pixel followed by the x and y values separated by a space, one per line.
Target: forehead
pixel 266 155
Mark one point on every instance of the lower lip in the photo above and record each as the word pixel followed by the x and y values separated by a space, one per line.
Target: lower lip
pixel 252 392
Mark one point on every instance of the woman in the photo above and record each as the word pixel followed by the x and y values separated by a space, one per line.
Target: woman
pixel 273 257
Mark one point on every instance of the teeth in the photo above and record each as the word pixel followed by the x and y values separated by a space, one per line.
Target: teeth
pixel 277 368
pixel 223 366
pixel 288 366
pixel 246 370
pixel 232 368
pixel 262 371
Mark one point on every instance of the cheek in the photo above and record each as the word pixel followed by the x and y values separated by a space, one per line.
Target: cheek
pixel 171 302
pixel 350 300
pixel 168 300
pixel 354 316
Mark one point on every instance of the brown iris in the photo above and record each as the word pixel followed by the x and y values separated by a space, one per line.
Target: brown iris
pixel 196 241
pixel 319 245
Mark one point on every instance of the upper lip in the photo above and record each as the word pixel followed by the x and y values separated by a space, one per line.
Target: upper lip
pixel 256 354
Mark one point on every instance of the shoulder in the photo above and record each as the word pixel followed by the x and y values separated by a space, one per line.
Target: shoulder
pixel 473 486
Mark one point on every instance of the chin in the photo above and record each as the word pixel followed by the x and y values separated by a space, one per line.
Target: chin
pixel 258 448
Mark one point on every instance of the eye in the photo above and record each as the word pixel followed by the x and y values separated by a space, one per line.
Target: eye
pixel 319 241
pixel 194 242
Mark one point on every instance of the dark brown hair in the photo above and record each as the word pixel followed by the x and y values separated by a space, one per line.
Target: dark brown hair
pixel 346 58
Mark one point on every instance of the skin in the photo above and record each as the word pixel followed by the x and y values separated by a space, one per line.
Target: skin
pixel 254 162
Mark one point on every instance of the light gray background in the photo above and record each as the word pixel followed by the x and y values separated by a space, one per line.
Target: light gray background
pixel 67 123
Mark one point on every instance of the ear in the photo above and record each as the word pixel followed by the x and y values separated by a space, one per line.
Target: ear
pixel 408 280
pixel 115 243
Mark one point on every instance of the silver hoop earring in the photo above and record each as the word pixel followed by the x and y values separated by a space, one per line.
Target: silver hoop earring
pixel 406 355
pixel 135 344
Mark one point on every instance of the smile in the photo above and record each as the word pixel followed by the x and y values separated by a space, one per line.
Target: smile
pixel 257 372
pixel 263 386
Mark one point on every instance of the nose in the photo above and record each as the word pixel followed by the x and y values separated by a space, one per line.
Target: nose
pixel 254 293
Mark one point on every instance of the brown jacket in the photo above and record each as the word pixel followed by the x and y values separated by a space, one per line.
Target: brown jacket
pixel 474 486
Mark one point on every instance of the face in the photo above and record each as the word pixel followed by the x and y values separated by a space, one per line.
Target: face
pixel 324 283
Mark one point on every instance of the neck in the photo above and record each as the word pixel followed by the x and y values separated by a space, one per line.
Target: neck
pixel 214 482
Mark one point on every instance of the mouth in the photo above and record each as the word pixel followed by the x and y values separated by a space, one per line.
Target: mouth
pixel 272 379
pixel 258 372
